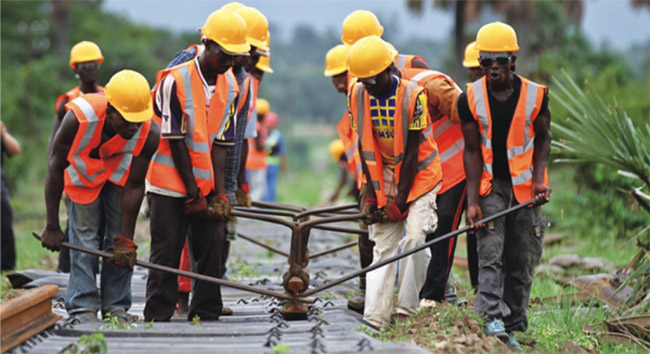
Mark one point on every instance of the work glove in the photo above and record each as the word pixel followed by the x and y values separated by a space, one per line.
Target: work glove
pixel 369 211
pixel 219 207
pixel 393 213
pixel 243 195
pixel 124 252
pixel 196 204
pixel 52 238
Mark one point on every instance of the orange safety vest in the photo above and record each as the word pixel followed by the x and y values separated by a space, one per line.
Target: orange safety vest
pixel 521 137
pixel 202 127
pixel 86 175
pixel 404 61
pixel 447 133
pixel 350 141
pixel 71 95
pixel 428 174
pixel 256 159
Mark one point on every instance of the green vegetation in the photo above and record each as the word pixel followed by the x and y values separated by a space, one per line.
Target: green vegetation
pixel 280 349
pixel 89 344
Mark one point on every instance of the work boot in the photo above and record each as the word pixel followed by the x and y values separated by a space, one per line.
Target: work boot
pixel 357 303
pixel 496 329
pixel 226 311
pixel 86 316
pixel 512 341
pixel 122 316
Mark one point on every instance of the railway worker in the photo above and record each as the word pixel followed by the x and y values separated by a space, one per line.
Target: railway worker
pixel 100 155
pixel 85 59
pixel 442 96
pixel 506 125
pixel 362 23
pixel 401 164
pixel 186 173
pixel 474 72
pixel 256 159
pixel 336 67
pixel 276 157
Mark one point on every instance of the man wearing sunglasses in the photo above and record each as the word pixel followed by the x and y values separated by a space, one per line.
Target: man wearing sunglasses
pixel 401 164
pixel 196 105
pixel 506 126
pixel 85 59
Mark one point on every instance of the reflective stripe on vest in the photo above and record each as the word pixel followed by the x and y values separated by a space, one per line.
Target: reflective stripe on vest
pixel 521 136
pixel 428 167
pixel 85 176
pixel 448 134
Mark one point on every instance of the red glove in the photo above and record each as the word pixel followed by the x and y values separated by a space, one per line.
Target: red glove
pixel 219 207
pixel 243 195
pixel 369 210
pixel 196 204
pixel 124 252
pixel 245 187
pixel 393 212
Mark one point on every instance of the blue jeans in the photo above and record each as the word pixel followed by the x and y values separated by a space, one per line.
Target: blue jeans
pixel 272 176
pixel 115 283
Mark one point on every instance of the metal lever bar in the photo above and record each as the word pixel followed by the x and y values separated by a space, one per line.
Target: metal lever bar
pixel 412 250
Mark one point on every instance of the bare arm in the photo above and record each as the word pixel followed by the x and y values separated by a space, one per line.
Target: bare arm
pixel 473 161
pixel 58 118
pixel 133 190
pixel 241 176
pixel 409 168
pixel 418 63
pixel 11 144
pixel 542 126
pixel 370 190
pixel 218 156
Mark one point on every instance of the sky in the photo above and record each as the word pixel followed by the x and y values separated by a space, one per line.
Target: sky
pixel 613 22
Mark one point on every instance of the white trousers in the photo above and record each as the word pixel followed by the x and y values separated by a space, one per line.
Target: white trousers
pixel 422 219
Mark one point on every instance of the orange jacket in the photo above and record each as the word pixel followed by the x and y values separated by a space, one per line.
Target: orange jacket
pixel 404 61
pixel 446 132
pixel 202 128
pixel 71 95
pixel 256 159
pixel 521 137
pixel 350 141
pixel 86 175
pixel 428 174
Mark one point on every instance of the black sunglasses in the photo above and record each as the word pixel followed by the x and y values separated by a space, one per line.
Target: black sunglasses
pixel 487 62
pixel 90 65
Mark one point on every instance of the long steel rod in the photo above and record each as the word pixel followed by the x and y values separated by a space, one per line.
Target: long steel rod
pixel 269 218
pixel 179 272
pixel 268 205
pixel 326 210
pixel 263 245
pixel 412 250
pixel 314 222
pixel 335 249
pixel 340 229
pixel 262 211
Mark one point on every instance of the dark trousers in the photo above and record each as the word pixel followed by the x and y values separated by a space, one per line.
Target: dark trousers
pixel 365 254
pixel 509 248
pixel 169 226
pixel 450 207
pixel 472 260
pixel 8 244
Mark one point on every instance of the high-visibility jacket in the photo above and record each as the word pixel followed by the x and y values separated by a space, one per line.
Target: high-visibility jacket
pixel 71 95
pixel 350 141
pixel 428 174
pixel 256 159
pixel 86 175
pixel 202 127
pixel 520 144
pixel 447 133
pixel 405 61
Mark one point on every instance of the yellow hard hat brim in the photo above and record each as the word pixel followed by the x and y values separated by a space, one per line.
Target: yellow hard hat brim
pixel 236 49
pixel 137 117
pixel 258 44
pixel 471 64
pixel 265 68
pixel 335 71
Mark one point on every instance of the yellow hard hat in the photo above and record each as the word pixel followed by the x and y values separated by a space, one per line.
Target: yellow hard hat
pixel 267 45
pixel 336 149
pixel 471 56
pixel 257 27
pixel 393 51
pixel 85 51
pixel 228 29
pixel 359 24
pixel 264 64
pixel 496 37
pixel 232 6
pixel 263 106
pixel 129 92
pixel 336 60
pixel 368 57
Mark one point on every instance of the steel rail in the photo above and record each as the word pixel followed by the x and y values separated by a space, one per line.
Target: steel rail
pixel 262 211
pixel 325 210
pixel 271 219
pixel 412 250
pixel 268 205
pixel 312 223
pixel 196 276
pixel 263 245
pixel 335 249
